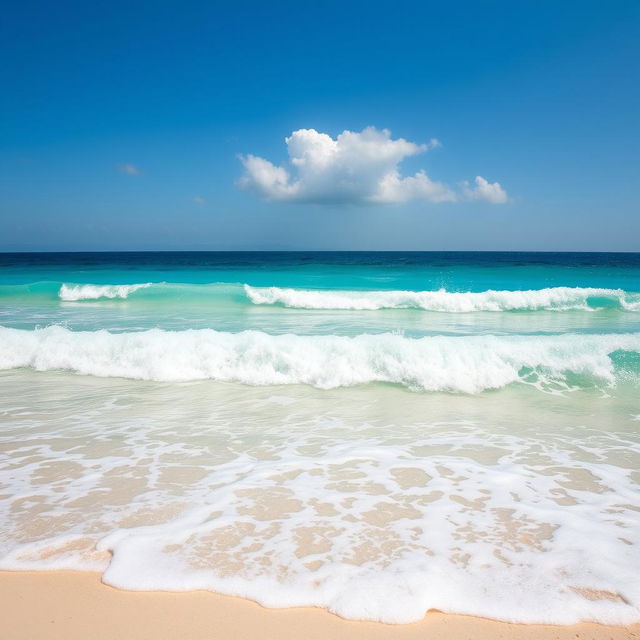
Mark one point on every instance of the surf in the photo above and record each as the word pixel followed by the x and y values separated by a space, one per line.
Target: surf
pixel 74 293
pixel 548 299
pixel 464 364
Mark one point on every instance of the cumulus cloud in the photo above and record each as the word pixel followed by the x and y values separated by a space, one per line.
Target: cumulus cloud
pixel 484 190
pixel 129 169
pixel 354 168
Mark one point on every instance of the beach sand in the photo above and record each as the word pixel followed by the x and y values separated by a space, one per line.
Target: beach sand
pixel 77 606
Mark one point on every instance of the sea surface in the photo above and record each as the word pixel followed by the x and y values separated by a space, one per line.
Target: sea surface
pixel 379 434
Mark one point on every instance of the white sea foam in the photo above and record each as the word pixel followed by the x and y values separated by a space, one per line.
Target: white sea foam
pixel 468 364
pixel 75 292
pixel 214 487
pixel 555 298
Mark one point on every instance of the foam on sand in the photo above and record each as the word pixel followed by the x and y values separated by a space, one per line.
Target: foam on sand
pixel 69 601
pixel 274 503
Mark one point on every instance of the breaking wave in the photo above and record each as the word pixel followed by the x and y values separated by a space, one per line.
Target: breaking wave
pixel 547 299
pixel 467 364
pixel 74 293
pixel 554 299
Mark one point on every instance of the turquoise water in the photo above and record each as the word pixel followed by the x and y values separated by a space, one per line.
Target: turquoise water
pixel 206 290
pixel 375 433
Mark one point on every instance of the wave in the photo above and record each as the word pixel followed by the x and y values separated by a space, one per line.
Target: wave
pixel 554 299
pixel 467 364
pixel 74 293
pixel 215 293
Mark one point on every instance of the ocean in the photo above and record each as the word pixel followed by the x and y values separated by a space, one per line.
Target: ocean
pixel 380 434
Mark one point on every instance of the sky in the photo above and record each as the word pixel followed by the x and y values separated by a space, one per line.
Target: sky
pixel 462 125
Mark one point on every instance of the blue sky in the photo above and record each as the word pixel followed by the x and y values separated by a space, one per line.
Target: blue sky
pixel 125 127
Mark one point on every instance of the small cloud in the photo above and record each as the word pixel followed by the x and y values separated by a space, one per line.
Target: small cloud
pixel 354 168
pixel 434 143
pixel 129 169
pixel 485 190
pixel 198 200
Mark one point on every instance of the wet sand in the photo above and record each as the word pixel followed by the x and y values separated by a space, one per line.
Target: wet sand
pixel 77 606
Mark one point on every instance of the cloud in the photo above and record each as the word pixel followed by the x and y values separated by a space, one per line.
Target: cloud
pixel 129 169
pixel 354 168
pixel 198 200
pixel 484 190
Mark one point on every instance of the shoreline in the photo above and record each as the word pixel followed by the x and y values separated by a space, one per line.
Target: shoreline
pixel 75 605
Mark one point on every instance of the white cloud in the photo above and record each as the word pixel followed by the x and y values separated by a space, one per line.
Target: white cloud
pixel 487 191
pixel 198 200
pixel 354 168
pixel 129 169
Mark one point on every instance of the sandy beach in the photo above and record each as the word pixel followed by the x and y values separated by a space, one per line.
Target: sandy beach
pixel 76 605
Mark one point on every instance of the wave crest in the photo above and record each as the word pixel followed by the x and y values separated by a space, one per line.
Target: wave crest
pixel 553 299
pixel 74 293
pixel 467 364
